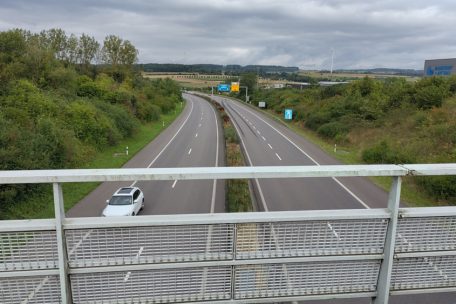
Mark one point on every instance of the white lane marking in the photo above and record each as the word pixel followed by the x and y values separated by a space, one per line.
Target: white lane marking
pixel 214 184
pixel 189 151
pixel 137 257
pixel 166 146
pixel 196 135
pixel 270 146
pixel 263 138
pixel 334 231
pixel 313 160
pixel 250 123
pixel 258 132
pixel 199 125
pixel 201 119
pixel 174 184
pixel 254 127
pixel 278 156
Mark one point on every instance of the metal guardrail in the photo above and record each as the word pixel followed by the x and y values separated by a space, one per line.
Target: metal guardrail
pixel 229 258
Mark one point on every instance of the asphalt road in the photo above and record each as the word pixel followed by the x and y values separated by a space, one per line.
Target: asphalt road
pixel 194 139
pixel 270 143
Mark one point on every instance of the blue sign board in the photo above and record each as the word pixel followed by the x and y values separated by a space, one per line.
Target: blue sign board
pixel 223 87
pixel 288 114
pixel 441 70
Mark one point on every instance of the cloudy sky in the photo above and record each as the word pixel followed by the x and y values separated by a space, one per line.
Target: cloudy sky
pixel 362 33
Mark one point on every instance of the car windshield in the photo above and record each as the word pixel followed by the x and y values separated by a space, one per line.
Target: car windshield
pixel 120 200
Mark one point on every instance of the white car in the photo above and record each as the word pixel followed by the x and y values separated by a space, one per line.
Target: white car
pixel 125 202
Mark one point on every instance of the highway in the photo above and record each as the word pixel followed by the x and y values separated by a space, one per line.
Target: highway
pixel 194 139
pixel 267 142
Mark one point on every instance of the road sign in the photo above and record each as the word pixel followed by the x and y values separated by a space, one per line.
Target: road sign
pixel 288 114
pixel 235 87
pixel 262 104
pixel 223 87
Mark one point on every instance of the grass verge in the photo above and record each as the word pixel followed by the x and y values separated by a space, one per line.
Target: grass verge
pixel 41 206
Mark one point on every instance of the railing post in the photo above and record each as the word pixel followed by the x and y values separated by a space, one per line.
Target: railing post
pixel 61 244
pixel 384 277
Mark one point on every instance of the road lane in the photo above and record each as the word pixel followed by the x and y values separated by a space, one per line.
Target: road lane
pixel 170 149
pixel 275 147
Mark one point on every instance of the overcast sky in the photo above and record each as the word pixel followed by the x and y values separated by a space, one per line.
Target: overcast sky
pixel 362 33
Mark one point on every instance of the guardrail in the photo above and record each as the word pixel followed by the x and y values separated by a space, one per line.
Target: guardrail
pixel 229 258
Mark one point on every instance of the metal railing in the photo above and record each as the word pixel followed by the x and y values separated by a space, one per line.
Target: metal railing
pixel 229 258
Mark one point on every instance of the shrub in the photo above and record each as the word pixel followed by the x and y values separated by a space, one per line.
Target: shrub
pixel 332 129
pixel 428 97
pixel 441 187
pixel 382 153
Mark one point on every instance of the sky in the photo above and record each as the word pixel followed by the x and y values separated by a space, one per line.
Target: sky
pixel 358 33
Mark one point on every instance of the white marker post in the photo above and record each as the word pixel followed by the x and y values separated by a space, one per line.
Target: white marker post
pixel 126 150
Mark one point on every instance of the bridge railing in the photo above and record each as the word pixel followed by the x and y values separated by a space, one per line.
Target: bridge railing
pixel 229 258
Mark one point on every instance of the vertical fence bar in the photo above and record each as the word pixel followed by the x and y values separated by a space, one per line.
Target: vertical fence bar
pixel 59 210
pixel 384 278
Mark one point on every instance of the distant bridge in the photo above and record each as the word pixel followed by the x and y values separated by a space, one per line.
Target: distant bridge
pixel 229 258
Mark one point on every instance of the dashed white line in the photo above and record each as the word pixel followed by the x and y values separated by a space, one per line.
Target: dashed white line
pixel 137 257
pixel 189 151
pixel 258 132
pixel 199 125
pixel 270 146
pixel 278 156
pixel 196 135
pixel 313 160
pixel 263 138
pixel 254 127
pixel 174 184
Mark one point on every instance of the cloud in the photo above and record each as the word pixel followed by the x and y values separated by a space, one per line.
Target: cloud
pixel 300 33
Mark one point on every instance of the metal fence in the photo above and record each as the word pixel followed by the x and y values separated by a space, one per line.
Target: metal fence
pixel 228 258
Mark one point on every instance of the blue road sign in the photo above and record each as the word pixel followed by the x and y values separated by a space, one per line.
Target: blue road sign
pixel 223 88
pixel 288 114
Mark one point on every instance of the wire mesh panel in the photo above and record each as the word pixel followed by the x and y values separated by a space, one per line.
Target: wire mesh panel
pixel 424 272
pixel 28 250
pixel 310 238
pixel 426 234
pixel 299 279
pixel 153 244
pixel 153 286
pixel 30 290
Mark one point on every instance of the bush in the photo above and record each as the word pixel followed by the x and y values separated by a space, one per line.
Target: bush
pixel 382 153
pixel 332 129
pixel 147 111
pixel 428 97
pixel 441 187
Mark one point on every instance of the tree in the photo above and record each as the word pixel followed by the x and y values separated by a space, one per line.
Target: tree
pixel 249 80
pixel 118 52
pixel 88 48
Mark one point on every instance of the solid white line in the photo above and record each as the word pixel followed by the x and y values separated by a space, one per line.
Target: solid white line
pixel 189 151
pixel 174 184
pixel 263 138
pixel 214 183
pixel 196 135
pixel 278 156
pixel 166 146
pixel 270 146
pixel 313 160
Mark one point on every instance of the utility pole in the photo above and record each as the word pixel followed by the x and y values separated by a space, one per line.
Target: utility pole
pixel 332 61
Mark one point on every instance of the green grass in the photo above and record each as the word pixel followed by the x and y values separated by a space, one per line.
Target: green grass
pixel 42 206
pixel 410 193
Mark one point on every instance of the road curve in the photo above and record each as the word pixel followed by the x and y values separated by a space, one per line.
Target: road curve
pixel 194 139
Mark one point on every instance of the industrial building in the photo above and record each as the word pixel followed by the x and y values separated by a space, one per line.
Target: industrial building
pixel 440 67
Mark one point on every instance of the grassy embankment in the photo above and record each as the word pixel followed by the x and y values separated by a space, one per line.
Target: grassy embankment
pixel 42 206
pixel 238 197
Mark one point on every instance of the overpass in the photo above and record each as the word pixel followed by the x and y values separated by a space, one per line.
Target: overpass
pixel 229 258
